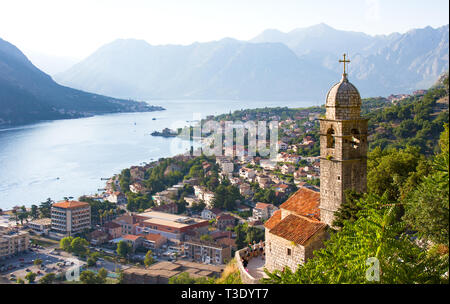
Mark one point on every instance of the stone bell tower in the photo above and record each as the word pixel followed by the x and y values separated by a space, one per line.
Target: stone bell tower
pixel 343 147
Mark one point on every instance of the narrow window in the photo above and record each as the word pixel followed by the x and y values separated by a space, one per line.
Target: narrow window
pixel 355 139
pixel 289 251
pixel 330 138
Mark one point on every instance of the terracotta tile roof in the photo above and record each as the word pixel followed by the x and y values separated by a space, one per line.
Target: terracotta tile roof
pixel 273 220
pixel 152 237
pixel 262 205
pixel 225 217
pixel 131 237
pixel 297 229
pixel 304 202
pixel 112 225
pixel 70 204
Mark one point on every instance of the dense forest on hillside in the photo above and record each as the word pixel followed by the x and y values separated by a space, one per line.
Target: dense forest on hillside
pixel 415 121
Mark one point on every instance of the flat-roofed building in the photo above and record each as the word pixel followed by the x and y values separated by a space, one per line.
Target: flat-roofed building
pixel 172 226
pixel 13 242
pixel 70 217
pixel 207 252
pixel 41 226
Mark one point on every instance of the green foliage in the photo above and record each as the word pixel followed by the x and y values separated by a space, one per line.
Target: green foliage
pixel 30 277
pixel 225 197
pixel 45 208
pixel 102 274
pixel 65 243
pixel 149 258
pixel 349 209
pixel 246 234
pixel 184 278
pixel 206 237
pixel 389 170
pixel 427 207
pixel 375 234
pixel 415 121
pixel 91 262
pixel 101 211
pixel 37 262
pixel 123 249
pixel 138 202
pixel 90 277
pixel 79 246
pixel 49 278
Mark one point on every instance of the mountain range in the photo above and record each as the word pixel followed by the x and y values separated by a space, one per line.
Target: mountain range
pixel 29 95
pixel 298 65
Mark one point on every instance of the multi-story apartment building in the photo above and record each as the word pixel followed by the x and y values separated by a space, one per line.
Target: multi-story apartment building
pixel 13 242
pixel 70 217
pixel 207 252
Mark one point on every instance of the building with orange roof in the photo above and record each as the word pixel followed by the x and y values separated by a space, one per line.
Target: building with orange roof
pixel 70 217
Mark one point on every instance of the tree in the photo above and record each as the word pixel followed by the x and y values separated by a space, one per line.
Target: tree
pixel 102 275
pixel 389 170
pixel 34 212
pixel 427 207
pixel 79 246
pixel 349 208
pixel 30 277
pixel 37 262
pixel 20 281
pixel 65 243
pixel 91 261
pixel 49 278
pixel 149 258
pixel 45 208
pixel 123 249
pixel 89 277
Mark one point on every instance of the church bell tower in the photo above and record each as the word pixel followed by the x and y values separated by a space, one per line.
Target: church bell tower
pixel 343 147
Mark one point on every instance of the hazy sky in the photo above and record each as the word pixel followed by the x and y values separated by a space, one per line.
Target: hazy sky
pixel 77 28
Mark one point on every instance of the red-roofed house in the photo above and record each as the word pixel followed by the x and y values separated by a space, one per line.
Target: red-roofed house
pixel 263 211
pixel 294 231
pixel 225 220
pixel 133 240
pixel 153 240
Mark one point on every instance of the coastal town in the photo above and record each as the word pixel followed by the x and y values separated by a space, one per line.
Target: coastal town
pixel 192 213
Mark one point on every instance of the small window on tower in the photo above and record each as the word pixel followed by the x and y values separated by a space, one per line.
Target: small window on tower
pixel 289 251
pixel 339 178
pixel 355 139
pixel 330 138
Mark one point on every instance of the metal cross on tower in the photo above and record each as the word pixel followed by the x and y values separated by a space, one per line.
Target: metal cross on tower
pixel 344 61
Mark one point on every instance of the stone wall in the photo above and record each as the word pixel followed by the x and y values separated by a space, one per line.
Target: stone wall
pixel 245 276
pixel 277 251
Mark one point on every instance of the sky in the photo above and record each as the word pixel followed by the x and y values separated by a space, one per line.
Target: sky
pixel 75 29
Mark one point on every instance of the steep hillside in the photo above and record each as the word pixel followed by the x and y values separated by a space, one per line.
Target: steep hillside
pixel 225 69
pixel 29 95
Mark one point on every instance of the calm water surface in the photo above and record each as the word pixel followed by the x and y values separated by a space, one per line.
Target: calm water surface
pixel 68 157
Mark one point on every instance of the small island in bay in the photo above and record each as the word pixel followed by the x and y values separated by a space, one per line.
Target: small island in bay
pixel 166 132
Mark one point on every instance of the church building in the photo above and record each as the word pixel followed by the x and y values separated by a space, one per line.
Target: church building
pixel 300 226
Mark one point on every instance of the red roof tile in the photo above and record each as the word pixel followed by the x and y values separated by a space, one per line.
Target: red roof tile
pixel 304 202
pixel 70 204
pixel 131 237
pixel 297 229
pixel 152 237
pixel 262 205
pixel 273 220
